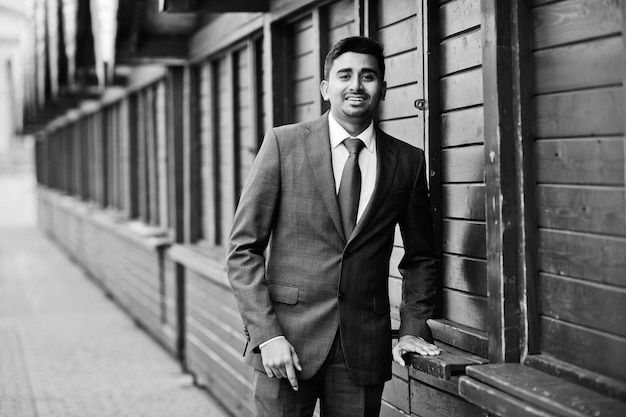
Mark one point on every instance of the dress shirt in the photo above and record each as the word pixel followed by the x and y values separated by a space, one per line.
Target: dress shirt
pixel 367 159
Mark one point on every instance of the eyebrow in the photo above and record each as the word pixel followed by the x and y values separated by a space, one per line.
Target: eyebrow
pixel 364 70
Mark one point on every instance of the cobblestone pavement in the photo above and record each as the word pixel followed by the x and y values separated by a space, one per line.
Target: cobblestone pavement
pixel 65 349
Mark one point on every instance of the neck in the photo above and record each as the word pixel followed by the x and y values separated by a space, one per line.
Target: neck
pixel 353 127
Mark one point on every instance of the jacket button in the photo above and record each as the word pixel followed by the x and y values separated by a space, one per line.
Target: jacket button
pixel 341 297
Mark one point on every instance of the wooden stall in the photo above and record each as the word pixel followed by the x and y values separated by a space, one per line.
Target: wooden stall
pixel 519 108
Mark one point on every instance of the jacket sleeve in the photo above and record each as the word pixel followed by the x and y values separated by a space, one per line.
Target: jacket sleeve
pixel 250 234
pixel 419 265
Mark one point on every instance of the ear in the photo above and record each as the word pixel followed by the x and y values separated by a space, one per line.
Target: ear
pixel 383 93
pixel 324 90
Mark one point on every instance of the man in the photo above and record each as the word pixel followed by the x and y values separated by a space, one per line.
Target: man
pixel 316 311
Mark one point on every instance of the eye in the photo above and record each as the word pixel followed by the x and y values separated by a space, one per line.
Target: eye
pixel 344 77
pixel 368 77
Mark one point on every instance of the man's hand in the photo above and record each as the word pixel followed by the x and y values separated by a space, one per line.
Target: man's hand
pixel 408 343
pixel 281 361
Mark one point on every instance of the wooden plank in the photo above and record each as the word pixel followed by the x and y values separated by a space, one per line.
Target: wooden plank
pixel 462 337
pixel 399 101
pixel 400 37
pixel 340 13
pixel 547 392
pixel 571 343
pixel 496 402
pixel 464 238
pixel 303 35
pixel 575 20
pixel 450 362
pixel 208 370
pixel 577 375
pixel 396 392
pixel 580 161
pixel 575 113
pixel 464 201
pixel 583 209
pixel 458 16
pixel 461 90
pixel 392 11
pixel 461 53
pixel 464 274
pixel 407 130
pixel 623 54
pixel 303 67
pixel 501 170
pixel 590 257
pixel 304 91
pixel 176 138
pixel 596 306
pixel 466 164
pixel 465 309
pixel 151 158
pixel 462 127
pixel 584 65
pixel 430 402
pixel 403 69
pixel 386 410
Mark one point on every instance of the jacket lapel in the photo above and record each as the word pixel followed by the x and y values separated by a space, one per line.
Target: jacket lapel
pixel 386 168
pixel 317 146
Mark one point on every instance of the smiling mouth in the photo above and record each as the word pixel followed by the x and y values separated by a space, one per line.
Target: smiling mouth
pixel 355 99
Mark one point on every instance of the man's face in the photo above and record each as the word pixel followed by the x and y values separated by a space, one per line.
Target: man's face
pixel 354 87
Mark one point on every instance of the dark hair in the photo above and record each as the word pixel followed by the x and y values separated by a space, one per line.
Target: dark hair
pixel 359 45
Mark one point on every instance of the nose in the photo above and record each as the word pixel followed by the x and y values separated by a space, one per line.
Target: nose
pixel 355 84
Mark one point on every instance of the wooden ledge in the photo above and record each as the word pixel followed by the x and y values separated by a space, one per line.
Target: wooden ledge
pixel 515 389
pixel 449 363
pixel 208 264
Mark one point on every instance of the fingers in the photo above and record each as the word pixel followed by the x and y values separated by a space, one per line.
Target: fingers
pixel 281 361
pixel 291 375
pixel 413 344
pixel 397 355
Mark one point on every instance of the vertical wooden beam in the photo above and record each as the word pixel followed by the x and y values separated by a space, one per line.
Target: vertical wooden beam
pixel 268 78
pixel 624 88
pixel 501 183
pixel 134 160
pixel 522 86
pixel 210 149
pixel 254 91
pixel 432 117
pixel 142 163
pixel 176 136
pixel 151 156
pixel 361 17
pixel 104 148
pixel 320 36
pixel 320 46
pixel 276 72
pixel 234 62
pixel 126 170
pixel 191 154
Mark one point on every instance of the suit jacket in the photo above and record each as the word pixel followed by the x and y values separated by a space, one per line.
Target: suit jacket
pixel 316 281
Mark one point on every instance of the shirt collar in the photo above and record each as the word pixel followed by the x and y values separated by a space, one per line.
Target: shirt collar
pixel 338 134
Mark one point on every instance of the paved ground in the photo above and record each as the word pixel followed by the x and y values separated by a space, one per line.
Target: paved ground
pixel 65 349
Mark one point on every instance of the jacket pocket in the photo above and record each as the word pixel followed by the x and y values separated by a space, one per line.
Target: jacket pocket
pixel 283 293
pixel 381 304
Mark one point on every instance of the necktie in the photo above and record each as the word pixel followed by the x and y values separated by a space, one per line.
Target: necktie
pixel 350 186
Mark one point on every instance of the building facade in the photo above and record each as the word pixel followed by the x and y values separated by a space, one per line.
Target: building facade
pixel 518 105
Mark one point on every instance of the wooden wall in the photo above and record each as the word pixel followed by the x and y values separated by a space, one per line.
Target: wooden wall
pixel 111 175
pixel 579 148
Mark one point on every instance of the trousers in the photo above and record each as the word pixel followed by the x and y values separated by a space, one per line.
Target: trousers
pixel 338 395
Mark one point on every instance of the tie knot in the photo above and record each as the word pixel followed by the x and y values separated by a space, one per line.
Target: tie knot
pixel 353 145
